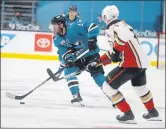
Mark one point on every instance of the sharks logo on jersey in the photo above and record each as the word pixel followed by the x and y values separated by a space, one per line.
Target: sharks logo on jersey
pixel 66 43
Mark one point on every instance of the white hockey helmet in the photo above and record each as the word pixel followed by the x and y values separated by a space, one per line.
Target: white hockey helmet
pixel 110 13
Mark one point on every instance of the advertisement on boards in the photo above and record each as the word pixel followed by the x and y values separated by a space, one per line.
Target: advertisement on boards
pixel 150 46
pixel 6 39
pixel 43 42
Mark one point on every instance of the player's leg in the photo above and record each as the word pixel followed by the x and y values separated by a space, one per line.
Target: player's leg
pixel 73 85
pixel 97 72
pixel 140 87
pixel 117 77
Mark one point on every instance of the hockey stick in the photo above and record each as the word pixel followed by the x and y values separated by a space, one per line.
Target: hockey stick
pixel 67 76
pixel 51 74
pixel 23 96
pixel 53 77
pixel 81 55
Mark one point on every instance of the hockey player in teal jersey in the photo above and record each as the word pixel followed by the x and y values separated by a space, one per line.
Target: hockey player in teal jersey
pixel 72 15
pixel 77 40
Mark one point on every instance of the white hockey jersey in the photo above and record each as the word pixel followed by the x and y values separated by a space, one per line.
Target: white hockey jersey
pixel 122 37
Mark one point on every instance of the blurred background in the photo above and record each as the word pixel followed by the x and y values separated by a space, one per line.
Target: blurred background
pixel 146 17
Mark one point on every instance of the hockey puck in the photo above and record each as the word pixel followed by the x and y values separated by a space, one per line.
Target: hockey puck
pixel 22 102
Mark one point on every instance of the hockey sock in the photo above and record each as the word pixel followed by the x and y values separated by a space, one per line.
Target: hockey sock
pixel 145 96
pixel 116 97
pixel 73 86
pixel 120 102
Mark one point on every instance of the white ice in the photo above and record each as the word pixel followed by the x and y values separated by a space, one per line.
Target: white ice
pixel 50 107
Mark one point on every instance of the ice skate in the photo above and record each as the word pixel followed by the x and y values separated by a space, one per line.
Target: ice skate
pixel 152 115
pixel 77 101
pixel 127 118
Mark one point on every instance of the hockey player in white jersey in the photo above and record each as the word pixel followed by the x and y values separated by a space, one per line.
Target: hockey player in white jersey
pixel 125 48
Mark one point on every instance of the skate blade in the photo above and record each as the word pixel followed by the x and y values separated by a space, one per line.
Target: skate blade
pixel 128 122
pixel 78 104
pixel 154 119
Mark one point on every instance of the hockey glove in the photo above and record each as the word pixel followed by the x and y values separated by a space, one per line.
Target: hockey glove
pixel 94 64
pixel 108 58
pixel 69 60
pixel 116 56
pixel 92 43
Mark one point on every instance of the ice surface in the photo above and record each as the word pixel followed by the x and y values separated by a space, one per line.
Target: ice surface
pixel 49 106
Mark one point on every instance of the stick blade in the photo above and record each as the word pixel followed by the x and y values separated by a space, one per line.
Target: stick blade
pixel 9 95
pixel 51 74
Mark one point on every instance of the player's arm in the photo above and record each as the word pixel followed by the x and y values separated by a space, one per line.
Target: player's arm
pixel 65 54
pixel 93 31
pixel 76 46
pixel 117 45
pixel 74 49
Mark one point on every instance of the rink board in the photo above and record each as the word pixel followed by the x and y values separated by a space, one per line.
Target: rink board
pixel 39 46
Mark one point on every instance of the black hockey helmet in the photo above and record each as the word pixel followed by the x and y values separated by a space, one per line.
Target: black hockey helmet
pixel 73 8
pixel 58 19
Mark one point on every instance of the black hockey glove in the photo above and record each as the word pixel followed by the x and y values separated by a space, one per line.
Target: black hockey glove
pixel 92 43
pixel 116 56
pixel 94 64
pixel 69 60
